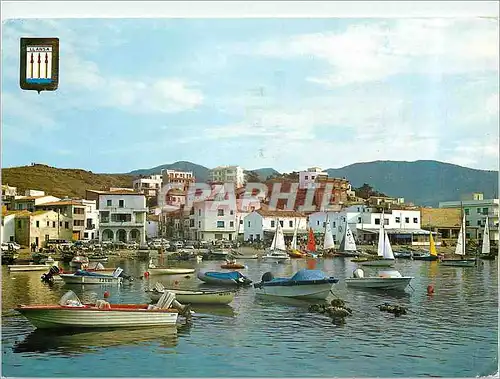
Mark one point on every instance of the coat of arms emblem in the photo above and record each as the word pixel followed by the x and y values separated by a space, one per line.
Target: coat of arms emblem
pixel 39 69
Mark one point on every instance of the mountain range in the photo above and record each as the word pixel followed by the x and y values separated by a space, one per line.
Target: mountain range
pixel 422 182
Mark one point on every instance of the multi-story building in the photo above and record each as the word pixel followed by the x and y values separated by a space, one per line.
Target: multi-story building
pixel 71 209
pixel 261 224
pixel 8 226
pixel 402 225
pixel 40 226
pixel 228 174
pixel 122 215
pixel 29 203
pixel 308 179
pixel 149 186
pixel 445 222
pixel 174 176
pixel 215 219
pixel 8 194
pixel 476 210
pixel 175 224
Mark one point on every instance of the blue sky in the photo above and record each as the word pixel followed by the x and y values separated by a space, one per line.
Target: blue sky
pixel 281 93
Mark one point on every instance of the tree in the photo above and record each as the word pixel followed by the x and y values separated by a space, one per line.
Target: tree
pixel 366 191
pixel 252 177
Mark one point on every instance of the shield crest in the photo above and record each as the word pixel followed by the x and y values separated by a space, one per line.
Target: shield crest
pixel 39 69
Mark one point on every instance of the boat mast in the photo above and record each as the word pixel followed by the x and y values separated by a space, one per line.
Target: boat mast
pixel 463 234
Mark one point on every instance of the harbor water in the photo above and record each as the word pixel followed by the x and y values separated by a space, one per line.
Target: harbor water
pixel 453 333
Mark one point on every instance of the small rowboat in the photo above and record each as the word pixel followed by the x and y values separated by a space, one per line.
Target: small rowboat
pixel 153 270
pixel 232 265
pixel 71 313
pixel 233 278
pixel 30 267
pixel 192 297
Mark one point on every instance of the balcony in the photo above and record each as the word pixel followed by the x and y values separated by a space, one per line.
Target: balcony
pixel 110 223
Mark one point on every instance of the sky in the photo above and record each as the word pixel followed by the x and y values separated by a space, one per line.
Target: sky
pixel 281 93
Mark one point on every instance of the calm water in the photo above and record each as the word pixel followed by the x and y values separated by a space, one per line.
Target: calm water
pixel 451 334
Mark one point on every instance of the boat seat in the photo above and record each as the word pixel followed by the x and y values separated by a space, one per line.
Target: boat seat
pixel 165 300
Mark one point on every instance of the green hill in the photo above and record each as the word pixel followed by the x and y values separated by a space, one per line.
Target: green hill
pixel 200 172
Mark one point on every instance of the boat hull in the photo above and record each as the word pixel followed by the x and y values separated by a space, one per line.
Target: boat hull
pixel 49 317
pixel 170 271
pixel 207 278
pixel 81 279
pixel 378 263
pixel 379 283
pixel 25 268
pixel 459 263
pixel 427 258
pixel 196 297
pixel 306 291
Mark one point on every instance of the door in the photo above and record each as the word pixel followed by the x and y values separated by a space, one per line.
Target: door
pixel 76 235
pixel 36 241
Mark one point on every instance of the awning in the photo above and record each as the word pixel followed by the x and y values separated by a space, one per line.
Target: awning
pixel 398 231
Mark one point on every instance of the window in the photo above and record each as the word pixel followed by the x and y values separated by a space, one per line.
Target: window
pixel 324 225
pixel 307 177
pixel 78 211
pixel 191 223
pixel 19 224
pixel 467 223
pixel 66 225
pixel 272 223
pixel 231 224
pixel 121 203
pixel 479 222
pixel 317 222
pixel 60 224
pixel 48 223
pixel 77 222
pixel 359 220
pixel 312 177
pixel 220 212
pixel 407 220
pixel 334 224
pixel 386 221
pixel 53 224
pixel 241 222
pixel 199 224
pixel 478 210
pixel 397 220
pixel 248 223
pixel 281 223
pixel 220 224
pixel 85 235
pixel 290 224
pixel 377 221
pixel 231 212
pixel 199 212
pixel 466 210
pixel 415 220
pixel 358 210
pixel 485 211
pixel 109 203
pixel 38 224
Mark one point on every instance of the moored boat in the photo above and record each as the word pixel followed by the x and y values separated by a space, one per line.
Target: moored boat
pixel 224 278
pixel 294 251
pixel 87 277
pixel 485 248
pixel 154 270
pixel 384 250
pixel 348 245
pixel 387 280
pixel 305 284
pixel 460 251
pixel 72 313
pixel 232 265
pixel 192 297
pixel 432 255
pixel 277 251
pixel 31 267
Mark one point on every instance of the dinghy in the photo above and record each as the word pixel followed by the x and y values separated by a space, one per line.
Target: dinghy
pixel 87 277
pixel 485 248
pixel 192 297
pixel 232 264
pixel 348 245
pixel 387 280
pixel 384 250
pixel 153 270
pixel 31 267
pixel 432 255
pixel 305 284
pixel 72 313
pixel 294 250
pixel 233 278
pixel 460 251
pixel 277 252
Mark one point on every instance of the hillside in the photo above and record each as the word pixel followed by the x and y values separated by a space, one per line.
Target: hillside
pixel 264 173
pixel 200 172
pixel 421 182
pixel 61 182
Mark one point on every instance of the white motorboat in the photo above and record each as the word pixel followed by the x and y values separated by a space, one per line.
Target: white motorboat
pixel 86 277
pixel 72 313
pixel 305 284
pixel 154 270
pixel 387 279
pixel 277 252
pixel 31 267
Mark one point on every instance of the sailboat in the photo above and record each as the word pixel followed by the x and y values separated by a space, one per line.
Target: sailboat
pixel 348 245
pixel 328 242
pixel 311 245
pixel 277 251
pixel 431 255
pixel 460 250
pixel 384 250
pixel 485 249
pixel 294 251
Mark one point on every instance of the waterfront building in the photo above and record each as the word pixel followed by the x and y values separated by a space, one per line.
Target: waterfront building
pixel 261 224
pixel 443 221
pixel 402 225
pixel 228 174
pixel 8 226
pixel 476 210
pixel 122 215
pixel 73 210
pixel 40 226
pixel 29 203
pixel 149 186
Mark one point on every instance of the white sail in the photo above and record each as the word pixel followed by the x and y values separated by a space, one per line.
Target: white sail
pixel 349 242
pixel 486 239
pixel 380 247
pixel 280 239
pixel 328 242
pixel 273 244
pixel 294 239
pixel 388 254
pixel 460 248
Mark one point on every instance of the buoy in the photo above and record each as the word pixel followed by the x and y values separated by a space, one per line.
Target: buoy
pixel 146 274
pixel 176 282
pixel 106 294
pixel 430 289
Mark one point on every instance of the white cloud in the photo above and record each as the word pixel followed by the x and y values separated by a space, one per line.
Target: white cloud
pixel 377 50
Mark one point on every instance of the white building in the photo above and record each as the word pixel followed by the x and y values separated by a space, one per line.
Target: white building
pixel 122 215
pixel 402 225
pixel 150 186
pixel 8 233
pixel 212 220
pixel 308 178
pixel 152 229
pixel 261 224
pixel 91 219
pixel 182 177
pixel 31 192
pixel 28 203
pixel 476 210
pixel 228 174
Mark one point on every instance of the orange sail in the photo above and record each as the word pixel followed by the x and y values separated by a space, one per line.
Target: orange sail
pixel 311 243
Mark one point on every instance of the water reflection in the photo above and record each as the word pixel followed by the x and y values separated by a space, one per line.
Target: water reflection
pixel 78 342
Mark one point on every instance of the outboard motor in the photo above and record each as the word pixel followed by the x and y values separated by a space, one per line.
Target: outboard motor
pixel 358 273
pixel 267 276
pixel 125 276
pixel 49 276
